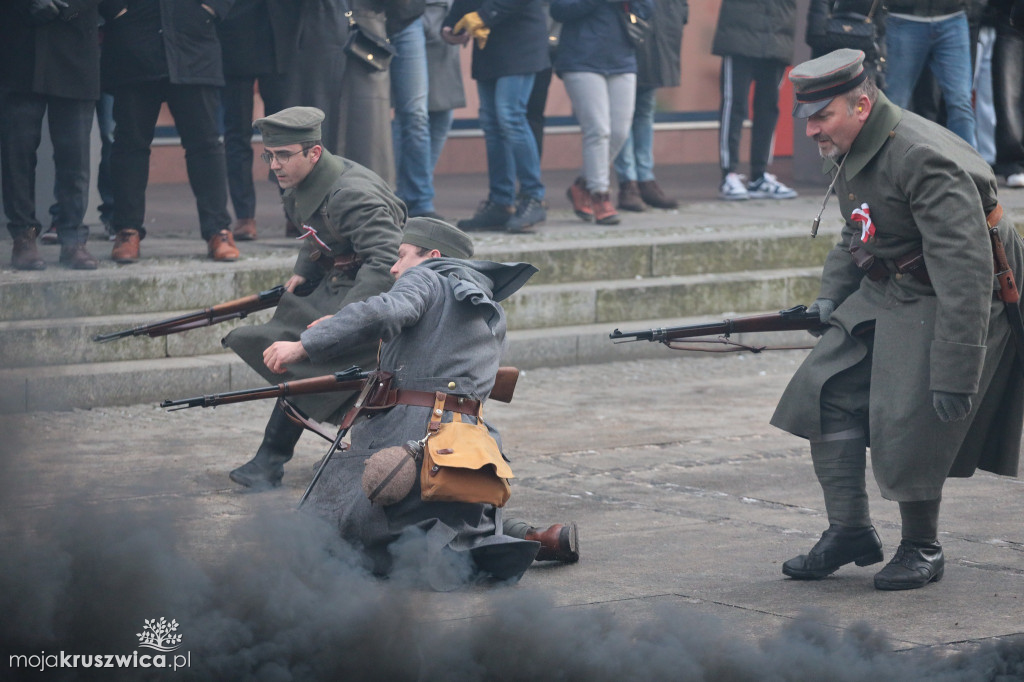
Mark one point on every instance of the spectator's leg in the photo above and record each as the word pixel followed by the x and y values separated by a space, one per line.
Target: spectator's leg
pixel 1008 97
pixel 589 94
pixel 104 184
pixel 535 107
pixel 511 96
pixel 237 96
pixel 909 47
pixel 21 125
pixel 734 80
pixel 951 64
pixel 410 126
pixel 767 75
pixel 440 124
pixel 70 122
pixel 136 108
pixel 500 164
pixel 984 109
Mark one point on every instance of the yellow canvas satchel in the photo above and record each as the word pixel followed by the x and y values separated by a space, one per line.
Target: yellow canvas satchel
pixel 462 462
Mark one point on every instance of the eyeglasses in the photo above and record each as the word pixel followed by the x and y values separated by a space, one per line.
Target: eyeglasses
pixel 282 157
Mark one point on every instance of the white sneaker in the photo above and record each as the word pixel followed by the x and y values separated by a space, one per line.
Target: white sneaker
pixel 1015 180
pixel 768 187
pixel 733 188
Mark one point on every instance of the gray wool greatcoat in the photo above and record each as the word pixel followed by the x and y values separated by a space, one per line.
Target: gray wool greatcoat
pixel 354 213
pixel 441 322
pixel 925 188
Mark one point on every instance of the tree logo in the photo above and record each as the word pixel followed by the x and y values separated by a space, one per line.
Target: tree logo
pixel 159 635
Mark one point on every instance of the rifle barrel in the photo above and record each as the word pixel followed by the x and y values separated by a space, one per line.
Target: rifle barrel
pixel 350 379
pixel 785 320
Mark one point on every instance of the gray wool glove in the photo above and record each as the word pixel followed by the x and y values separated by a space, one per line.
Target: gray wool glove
pixel 951 407
pixel 824 308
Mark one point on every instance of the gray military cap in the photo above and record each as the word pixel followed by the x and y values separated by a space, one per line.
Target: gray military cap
pixel 294 125
pixel 820 80
pixel 430 233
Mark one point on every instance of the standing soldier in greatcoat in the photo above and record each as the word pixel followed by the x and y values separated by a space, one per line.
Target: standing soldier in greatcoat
pixel 352 226
pixel 919 360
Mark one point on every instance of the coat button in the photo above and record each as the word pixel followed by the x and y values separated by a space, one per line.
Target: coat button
pixel 898 275
pixel 438 412
pixel 451 384
pixel 853 197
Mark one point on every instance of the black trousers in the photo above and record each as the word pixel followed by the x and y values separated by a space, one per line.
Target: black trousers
pixel 1008 98
pixel 735 79
pixel 237 99
pixel 21 127
pixel 194 108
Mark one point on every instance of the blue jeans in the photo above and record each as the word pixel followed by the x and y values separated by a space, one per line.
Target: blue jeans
pixel 440 124
pixel 511 149
pixel 21 130
pixel 410 128
pixel 636 160
pixel 945 47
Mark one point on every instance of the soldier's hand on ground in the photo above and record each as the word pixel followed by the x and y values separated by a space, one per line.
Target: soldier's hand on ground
pixel 318 321
pixel 294 281
pixel 824 307
pixel 951 407
pixel 282 353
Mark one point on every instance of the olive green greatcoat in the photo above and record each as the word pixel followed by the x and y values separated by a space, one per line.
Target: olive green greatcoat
pixel 926 188
pixel 354 212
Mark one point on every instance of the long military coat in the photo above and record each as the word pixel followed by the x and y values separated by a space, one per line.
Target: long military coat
pixel 353 212
pixel 440 323
pixel 925 188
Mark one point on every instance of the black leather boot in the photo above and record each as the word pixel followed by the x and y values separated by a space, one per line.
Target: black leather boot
pixel 915 565
pixel 837 547
pixel 266 469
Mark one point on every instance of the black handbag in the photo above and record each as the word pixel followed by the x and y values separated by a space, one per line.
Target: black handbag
pixel 373 50
pixel 852 30
pixel 637 30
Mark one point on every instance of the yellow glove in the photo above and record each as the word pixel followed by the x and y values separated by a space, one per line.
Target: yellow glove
pixel 472 23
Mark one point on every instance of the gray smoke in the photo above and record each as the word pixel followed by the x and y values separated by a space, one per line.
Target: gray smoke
pixel 286 600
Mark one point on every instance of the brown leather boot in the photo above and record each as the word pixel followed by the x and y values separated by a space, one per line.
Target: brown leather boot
pixel 629 197
pixel 126 246
pixel 221 247
pixel 651 193
pixel 560 542
pixel 579 197
pixel 244 230
pixel 604 212
pixel 76 257
pixel 24 255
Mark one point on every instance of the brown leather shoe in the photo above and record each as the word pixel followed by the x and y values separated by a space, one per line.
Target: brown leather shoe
pixel 126 246
pixel 291 229
pixel 24 255
pixel 221 247
pixel 560 542
pixel 604 212
pixel 651 193
pixel 629 197
pixel 76 257
pixel 580 199
pixel 244 230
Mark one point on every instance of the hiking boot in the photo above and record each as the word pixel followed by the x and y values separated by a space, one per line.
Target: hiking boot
pixel 50 236
pixel 768 187
pixel 652 195
pixel 733 188
pixel 221 247
pixel 126 246
pixel 76 257
pixel 629 197
pixel 604 212
pixel 24 255
pixel 579 197
pixel 529 212
pixel 244 230
pixel 488 216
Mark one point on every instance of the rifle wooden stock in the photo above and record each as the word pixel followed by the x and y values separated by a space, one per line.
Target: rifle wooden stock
pixel 238 308
pixel 349 380
pixel 785 320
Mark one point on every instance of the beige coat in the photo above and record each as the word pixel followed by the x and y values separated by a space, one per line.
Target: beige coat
pixel 926 189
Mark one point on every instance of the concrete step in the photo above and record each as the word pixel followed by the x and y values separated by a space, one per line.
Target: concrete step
pixel 39 343
pixel 92 384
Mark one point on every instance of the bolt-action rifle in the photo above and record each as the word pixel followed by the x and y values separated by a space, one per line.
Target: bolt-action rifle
pixel 795 318
pixel 238 308
pixel 349 380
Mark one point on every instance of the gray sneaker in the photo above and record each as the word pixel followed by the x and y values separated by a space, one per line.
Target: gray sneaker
pixel 529 212
pixel 488 216
pixel 769 187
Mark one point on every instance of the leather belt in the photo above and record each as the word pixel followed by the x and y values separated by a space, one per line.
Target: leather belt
pixel 994 216
pixel 452 403
pixel 910 263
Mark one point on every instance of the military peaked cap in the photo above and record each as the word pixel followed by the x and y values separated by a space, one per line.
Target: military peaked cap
pixel 818 81
pixel 294 125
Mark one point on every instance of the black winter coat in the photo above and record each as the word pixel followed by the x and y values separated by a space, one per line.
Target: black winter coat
pixel 257 37
pixel 518 43
pixel 60 58
pixel 762 29
pixel 657 62
pixel 156 39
